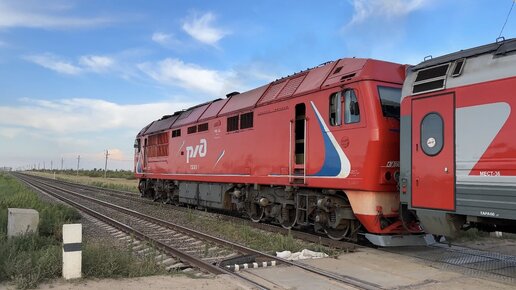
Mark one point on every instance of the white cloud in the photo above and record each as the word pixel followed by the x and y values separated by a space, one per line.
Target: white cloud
pixel 10 133
pixel 202 29
pixel 364 9
pixel 34 14
pixel 175 72
pixel 54 63
pixel 83 115
pixel 96 63
pixel 168 40
pixel 86 63
pixel 161 38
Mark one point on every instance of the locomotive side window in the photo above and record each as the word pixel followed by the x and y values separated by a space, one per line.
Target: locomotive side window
pixel 432 135
pixel 351 107
pixel 390 99
pixel 137 144
pixel 176 133
pixel 232 123
pixel 335 109
pixel 246 120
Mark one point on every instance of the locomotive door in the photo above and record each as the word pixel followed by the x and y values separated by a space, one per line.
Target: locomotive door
pixel 433 150
pixel 298 146
pixel 145 154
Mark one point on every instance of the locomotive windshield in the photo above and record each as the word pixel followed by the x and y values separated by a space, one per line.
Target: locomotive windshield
pixel 390 99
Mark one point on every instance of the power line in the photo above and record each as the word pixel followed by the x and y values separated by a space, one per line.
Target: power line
pixel 105 165
pixel 506 19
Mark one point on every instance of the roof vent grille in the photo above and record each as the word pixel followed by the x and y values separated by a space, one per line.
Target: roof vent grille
pixel 431 79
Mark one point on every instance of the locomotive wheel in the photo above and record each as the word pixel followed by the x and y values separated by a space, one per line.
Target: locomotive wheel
pixel 288 217
pixel 340 232
pixel 256 212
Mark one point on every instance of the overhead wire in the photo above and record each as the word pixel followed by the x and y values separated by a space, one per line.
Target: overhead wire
pixel 506 19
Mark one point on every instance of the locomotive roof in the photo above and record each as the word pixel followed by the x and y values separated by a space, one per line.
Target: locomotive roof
pixel 497 48
pixel 326 75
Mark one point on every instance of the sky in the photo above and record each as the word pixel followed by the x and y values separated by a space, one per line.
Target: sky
pixel 79 77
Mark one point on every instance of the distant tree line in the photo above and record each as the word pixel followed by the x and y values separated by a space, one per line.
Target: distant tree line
pixel 95 172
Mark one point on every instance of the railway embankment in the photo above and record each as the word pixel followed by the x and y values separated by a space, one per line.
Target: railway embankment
pixel 36 257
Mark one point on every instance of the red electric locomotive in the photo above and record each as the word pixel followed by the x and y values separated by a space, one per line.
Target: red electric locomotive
pixel 319 148
pixel 458 141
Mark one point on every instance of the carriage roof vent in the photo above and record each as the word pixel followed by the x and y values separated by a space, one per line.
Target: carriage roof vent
pixel 431 79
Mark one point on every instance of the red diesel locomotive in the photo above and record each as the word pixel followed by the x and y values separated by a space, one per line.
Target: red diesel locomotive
pixel 316 149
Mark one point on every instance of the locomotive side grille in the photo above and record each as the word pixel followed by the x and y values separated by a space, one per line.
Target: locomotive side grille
pixel 157 145
pixel 202 127
pixel 432 73
pixel 192 130
pixel 431 79
pixel 429 86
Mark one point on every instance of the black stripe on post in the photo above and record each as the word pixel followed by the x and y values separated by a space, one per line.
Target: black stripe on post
pixel 72 247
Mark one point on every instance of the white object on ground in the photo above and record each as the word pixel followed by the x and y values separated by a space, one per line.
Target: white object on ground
pixel 303 255
pixel 72 251
pixel 21 221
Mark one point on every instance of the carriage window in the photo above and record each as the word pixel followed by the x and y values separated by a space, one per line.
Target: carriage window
pixel 335 109
pixel 351 107
pixel 432 134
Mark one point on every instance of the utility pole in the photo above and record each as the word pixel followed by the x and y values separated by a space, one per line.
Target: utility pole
pixel 51 164
pixel 78 162
pixel 105 165
pixel 62 159
pixel 44 166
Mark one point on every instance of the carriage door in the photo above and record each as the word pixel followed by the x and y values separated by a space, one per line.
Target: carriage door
pixel 433 149
pixel 298 146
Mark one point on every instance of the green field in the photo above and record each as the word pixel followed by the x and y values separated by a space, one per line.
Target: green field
pixel 125 182
pixel 28 260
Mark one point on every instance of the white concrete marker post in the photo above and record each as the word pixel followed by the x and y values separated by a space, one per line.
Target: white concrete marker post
pixel 21 221
pixel 72 251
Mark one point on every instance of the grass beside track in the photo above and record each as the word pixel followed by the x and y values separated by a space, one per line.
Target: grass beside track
pixel 110 183
pixel 32 258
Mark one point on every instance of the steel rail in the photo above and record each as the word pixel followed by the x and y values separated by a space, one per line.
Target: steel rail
pixel 313 238
pixel 351 281
pixel 191 260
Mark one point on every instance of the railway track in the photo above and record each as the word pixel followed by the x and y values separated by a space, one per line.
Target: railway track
pixel 193 248
pixel 305 236
pixel 473 262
